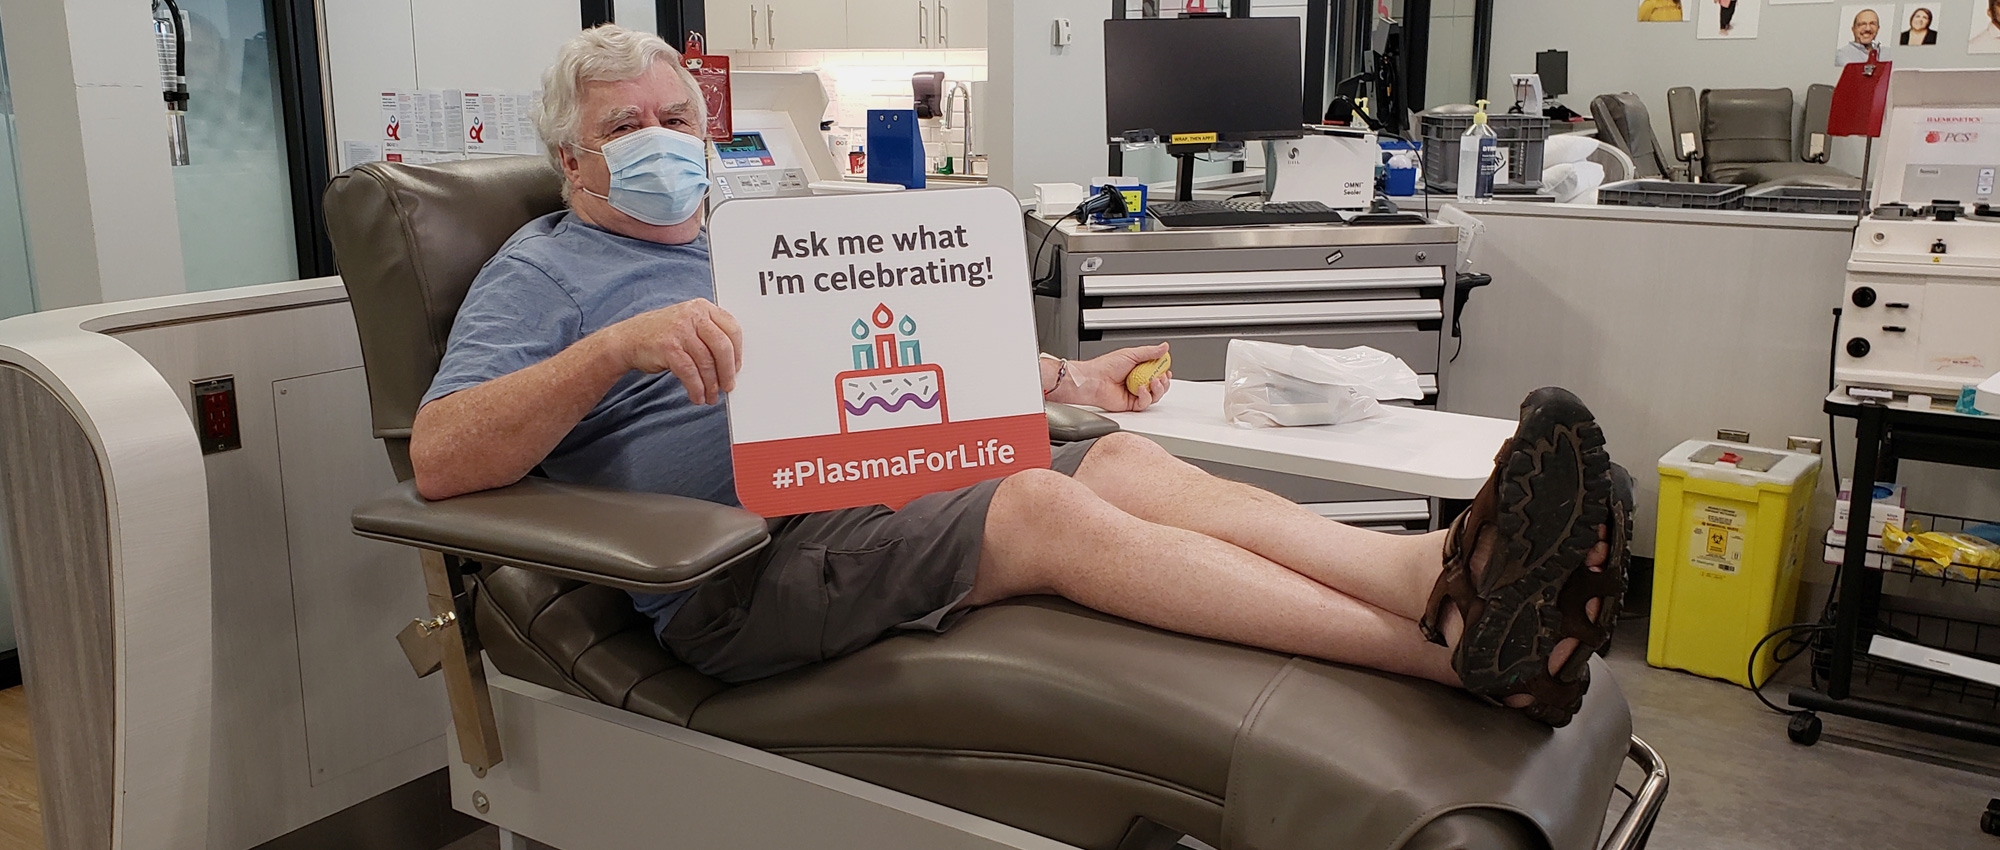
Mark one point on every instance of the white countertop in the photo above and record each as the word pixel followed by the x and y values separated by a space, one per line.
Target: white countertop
pixel 1425 452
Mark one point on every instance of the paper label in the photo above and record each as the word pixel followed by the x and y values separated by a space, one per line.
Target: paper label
pixel 1716 539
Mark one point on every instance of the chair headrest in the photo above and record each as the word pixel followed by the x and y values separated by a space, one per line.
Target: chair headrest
pixel 408 240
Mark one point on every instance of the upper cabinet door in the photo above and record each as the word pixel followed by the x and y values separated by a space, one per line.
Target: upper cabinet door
pixel 892 24
pixel 961 24
pixel 804 24
pixel 735 26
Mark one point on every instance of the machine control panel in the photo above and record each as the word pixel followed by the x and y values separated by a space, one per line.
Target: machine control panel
pixel 769 183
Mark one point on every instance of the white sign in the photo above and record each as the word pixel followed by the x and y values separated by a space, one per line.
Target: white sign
pixel 888 346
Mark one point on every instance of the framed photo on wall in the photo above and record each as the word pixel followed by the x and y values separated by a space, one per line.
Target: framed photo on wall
pixel 1862 28
pixel 1985 27
pixel 1917 25
pixel 1735 19
pixel 1661 12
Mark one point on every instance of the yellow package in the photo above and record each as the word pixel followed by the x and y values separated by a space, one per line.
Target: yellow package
pixel 1939 553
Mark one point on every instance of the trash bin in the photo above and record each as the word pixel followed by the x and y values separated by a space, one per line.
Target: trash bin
pixel 1731 538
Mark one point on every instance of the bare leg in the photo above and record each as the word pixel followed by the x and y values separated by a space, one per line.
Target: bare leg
pixel 1393 572
pixel 1048 533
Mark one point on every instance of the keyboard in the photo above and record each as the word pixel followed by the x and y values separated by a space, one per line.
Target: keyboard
pixel 1242 213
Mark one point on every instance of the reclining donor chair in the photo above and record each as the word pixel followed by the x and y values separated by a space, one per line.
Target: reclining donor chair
pixel 1745 136
pixel 1031 724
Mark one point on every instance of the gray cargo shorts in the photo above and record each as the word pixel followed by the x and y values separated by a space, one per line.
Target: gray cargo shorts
pixel 833 582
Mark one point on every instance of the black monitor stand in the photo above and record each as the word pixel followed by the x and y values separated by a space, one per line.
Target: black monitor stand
pixel 1184 172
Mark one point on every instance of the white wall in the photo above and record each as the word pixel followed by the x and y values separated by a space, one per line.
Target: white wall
pixel 1610 51
pixel 1047 102
pixel 95 184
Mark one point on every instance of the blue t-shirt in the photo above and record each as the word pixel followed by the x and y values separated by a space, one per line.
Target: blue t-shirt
pixel 558 280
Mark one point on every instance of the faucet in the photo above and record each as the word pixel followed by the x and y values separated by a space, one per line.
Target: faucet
pixel 960 92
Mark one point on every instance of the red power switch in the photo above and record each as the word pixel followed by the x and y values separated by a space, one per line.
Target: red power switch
pixel 1730 458
pixel 215 414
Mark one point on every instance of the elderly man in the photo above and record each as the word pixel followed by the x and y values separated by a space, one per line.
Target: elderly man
pixel 1866 27
pixel 587 347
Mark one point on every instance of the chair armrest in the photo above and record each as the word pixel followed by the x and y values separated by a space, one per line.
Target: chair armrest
pixel 1070 424
pixel 643 542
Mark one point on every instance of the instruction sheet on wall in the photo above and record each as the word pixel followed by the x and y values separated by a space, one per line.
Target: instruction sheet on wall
pixel 423 126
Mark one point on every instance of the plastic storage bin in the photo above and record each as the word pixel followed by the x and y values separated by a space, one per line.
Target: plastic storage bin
pixel 1666 193
pixel 1730 540
pixel 1805 199
pixel 1522 136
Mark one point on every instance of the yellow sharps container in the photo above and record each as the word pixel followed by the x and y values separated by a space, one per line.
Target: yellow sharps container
pixel 1729 544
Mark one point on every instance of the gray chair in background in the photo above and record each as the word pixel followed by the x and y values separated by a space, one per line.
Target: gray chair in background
pixel 1624 123
pixel 1746 136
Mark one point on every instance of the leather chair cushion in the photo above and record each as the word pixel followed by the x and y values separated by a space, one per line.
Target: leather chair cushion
pixel 1808 174
pixel 586 640
pixel 1746 125
pixel 409 239
pixel 1299 753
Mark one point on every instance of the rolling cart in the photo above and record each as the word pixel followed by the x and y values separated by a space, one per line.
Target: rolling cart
pixel 1885 436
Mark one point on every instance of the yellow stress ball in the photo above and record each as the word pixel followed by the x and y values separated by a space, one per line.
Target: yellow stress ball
pixel 1143 373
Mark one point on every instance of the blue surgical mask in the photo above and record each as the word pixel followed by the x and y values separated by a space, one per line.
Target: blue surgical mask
pixel 658 176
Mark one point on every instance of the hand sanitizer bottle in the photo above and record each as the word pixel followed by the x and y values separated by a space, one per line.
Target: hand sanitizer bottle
pixel 1478 159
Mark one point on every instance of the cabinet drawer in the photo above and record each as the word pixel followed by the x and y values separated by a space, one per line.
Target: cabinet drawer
pixel 1280 313
pixel 1200 356
pixel 1306 280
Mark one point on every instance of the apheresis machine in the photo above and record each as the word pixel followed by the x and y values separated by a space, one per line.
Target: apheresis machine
pixel 1922 301
pixel 775 150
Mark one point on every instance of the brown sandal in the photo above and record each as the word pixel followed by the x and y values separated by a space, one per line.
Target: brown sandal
pixel 1551 490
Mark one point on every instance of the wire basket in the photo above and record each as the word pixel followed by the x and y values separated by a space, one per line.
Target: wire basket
pixel 1883 675
pixel 1921 569
pixel 1523 137
pixel 1960 635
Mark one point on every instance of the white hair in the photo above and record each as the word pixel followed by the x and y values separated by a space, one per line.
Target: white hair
pixel 608 53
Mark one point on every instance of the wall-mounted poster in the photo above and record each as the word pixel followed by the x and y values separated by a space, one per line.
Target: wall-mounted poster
pixel 1861 32
pixel 1918 25
pixel 1985 27
pixel 1728 18
pixel 1661 12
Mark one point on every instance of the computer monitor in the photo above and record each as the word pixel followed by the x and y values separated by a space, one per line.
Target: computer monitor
pixel 1239 79
pixel 1553 67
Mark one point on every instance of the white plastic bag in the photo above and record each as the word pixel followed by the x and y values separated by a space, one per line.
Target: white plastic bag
pixel 1270 384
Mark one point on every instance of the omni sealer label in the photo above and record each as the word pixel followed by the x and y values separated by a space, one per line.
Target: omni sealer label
pixel 888 346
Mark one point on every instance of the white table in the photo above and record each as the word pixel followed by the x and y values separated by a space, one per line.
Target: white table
pixel 1424 452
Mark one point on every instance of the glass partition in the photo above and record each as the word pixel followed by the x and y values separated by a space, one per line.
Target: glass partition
pixel 234 195
pixel 17 292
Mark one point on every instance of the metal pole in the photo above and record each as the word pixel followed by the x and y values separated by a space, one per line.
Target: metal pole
pixel 1313 103
pixel 1482 46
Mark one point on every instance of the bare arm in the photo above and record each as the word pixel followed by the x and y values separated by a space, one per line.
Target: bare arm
pixel 492 434
pixel 1100 381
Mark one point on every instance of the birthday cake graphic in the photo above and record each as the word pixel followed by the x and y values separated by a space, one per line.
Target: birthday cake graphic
pixel 890 385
